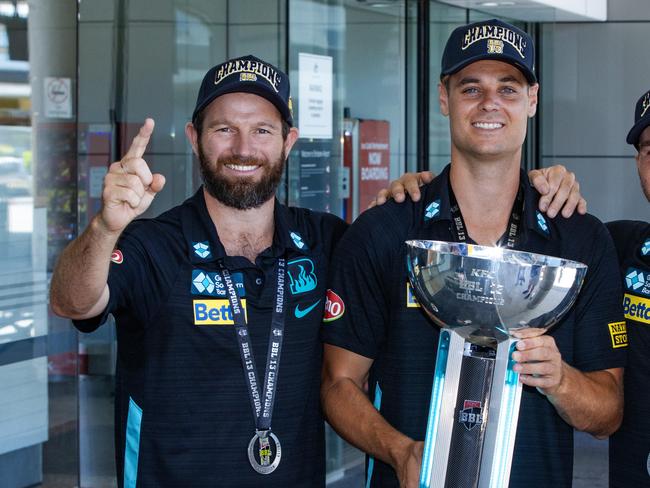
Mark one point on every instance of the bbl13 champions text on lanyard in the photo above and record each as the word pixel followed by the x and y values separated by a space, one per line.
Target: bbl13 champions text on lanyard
pixel 260 449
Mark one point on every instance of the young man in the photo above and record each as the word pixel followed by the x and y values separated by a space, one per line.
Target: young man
pixel 629 448
pixel 375 335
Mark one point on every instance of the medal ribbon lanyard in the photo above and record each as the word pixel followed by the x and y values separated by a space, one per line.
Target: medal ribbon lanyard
pixel 262 403
pixel 509 239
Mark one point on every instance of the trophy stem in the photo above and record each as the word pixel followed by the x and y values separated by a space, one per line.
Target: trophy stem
pixel 473 415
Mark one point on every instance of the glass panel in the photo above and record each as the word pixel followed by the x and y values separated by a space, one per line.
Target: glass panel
pixel 347 64
pixel 443 20
pixel 38 352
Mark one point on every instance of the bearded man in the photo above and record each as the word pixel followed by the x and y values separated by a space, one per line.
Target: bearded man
pixel 218 302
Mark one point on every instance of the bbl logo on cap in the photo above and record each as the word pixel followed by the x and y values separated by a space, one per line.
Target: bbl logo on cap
pixel 495 46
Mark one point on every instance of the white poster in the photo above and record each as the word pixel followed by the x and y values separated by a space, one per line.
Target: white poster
pixel 58 98
pixel 315 96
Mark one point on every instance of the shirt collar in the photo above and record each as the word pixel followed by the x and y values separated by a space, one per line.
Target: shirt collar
pixel 437 204
pixel 203 241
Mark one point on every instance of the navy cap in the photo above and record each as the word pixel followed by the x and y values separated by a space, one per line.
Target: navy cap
pixel 641 119
pixel 490 39
pixel 250 75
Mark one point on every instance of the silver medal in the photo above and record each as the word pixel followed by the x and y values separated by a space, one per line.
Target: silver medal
pixel 264 466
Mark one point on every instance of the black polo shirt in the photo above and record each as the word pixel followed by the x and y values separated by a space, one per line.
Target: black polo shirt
pixel 183 414
pixel 629 448
pixel 379 319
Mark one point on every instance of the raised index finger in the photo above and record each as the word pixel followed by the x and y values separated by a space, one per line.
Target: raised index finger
pixel 140 141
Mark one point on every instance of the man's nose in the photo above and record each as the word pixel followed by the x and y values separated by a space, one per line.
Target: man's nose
pixel 243 146
pixel 490 101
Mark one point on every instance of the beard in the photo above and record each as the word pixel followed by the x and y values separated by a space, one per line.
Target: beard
pixel 243 194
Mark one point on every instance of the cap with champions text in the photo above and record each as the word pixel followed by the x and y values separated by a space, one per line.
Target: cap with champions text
pixel 641 119
pixel 247 74
pixel 489 39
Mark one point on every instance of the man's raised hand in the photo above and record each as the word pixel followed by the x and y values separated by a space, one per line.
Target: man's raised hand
pixel 129 185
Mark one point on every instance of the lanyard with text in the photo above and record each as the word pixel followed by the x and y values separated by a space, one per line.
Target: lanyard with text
pixel 509 239
pixel 262 403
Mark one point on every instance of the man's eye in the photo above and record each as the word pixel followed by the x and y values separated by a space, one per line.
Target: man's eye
pixel 470 90
pixel 263 131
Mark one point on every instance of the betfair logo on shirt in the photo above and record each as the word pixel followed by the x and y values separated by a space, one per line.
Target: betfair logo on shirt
pixel 618 331
pixel 411 301
pixel 636 308
pixel 214 312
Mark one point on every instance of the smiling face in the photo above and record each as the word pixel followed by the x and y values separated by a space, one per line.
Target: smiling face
pixel 488 103
pixel 241 149
pixel 643 161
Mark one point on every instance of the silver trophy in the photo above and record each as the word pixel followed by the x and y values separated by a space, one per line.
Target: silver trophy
pixel 479 295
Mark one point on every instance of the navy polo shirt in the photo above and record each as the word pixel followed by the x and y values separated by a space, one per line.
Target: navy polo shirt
pixel 381 320
pixel 629 448
pixel 183 414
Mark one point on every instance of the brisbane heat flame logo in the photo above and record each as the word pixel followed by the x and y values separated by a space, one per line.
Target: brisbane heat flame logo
pixel 302 277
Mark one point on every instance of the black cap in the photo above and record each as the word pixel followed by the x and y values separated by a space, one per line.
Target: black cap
pixel 641 119
pixel 490 39
pixel 250 75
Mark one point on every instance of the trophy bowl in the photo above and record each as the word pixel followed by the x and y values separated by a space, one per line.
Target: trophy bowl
pixel 487 293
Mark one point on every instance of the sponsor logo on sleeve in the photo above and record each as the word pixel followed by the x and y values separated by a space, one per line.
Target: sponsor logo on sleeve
pixel 618 332
pixel 636 308
pixel 117 257
pixel 334 307
pixel 302 276
pixel 411 301
pixel 214 312
pixel 211 284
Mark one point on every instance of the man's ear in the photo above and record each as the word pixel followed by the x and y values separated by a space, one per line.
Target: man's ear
pixel 533 90
pixel 291 139
pixel 192 137
pixel 443 99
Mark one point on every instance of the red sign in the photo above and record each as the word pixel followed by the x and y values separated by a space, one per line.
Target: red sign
pixel 374 159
